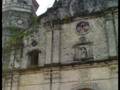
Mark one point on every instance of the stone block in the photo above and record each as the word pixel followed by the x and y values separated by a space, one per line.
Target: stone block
pixel 32 87
pixel 69 76
pixel 99 73
pixel 56 86
pixel 7 88
pixel 31 79
pixel 47 77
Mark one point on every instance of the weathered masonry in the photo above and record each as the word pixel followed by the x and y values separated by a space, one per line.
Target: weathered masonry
pixel 73 46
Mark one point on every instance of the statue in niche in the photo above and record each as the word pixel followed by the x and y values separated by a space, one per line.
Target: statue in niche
pixel 83 52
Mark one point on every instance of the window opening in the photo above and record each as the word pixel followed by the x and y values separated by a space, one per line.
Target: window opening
pixel 34 58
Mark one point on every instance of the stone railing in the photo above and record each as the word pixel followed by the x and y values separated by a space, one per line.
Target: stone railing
pixel 16 5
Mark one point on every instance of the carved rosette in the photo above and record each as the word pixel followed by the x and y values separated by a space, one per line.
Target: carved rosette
pixel 82 28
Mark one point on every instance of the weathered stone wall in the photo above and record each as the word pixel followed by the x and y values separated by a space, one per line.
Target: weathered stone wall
pixel 40 37
pixel 56 42
pixel 76 7
pixel 97 35
pixel 99 76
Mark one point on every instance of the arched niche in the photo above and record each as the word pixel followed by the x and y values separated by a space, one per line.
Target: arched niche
pixel 87 86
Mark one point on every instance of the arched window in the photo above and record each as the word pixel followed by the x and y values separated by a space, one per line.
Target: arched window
pixel 85 89
pixel 34 57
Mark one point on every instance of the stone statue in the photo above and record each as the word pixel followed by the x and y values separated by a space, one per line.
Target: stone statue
pixel 83 52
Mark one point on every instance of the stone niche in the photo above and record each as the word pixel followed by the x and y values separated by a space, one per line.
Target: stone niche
pixel 83 50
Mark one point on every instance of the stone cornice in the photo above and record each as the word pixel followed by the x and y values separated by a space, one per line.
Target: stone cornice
pixel 54 67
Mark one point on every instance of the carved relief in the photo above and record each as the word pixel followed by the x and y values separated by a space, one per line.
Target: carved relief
pixel 83 50
pixel 82 28
pixel 34 43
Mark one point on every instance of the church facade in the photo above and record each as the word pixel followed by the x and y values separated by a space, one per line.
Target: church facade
pixel 73 46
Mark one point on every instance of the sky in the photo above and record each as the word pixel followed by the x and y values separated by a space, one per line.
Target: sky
pixel 43 5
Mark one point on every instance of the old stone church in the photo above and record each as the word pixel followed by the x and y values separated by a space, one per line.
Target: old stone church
pixel 73 46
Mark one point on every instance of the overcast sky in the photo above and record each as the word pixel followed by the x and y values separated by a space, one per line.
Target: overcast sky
pixel 43 5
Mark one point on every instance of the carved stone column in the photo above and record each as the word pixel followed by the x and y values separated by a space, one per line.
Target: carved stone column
pixel 52 44
pixel 48 45
pixel 111 35
pixel 56 44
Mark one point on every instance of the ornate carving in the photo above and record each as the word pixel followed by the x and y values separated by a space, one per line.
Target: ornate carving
pixel 34 43
pixel 82 28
